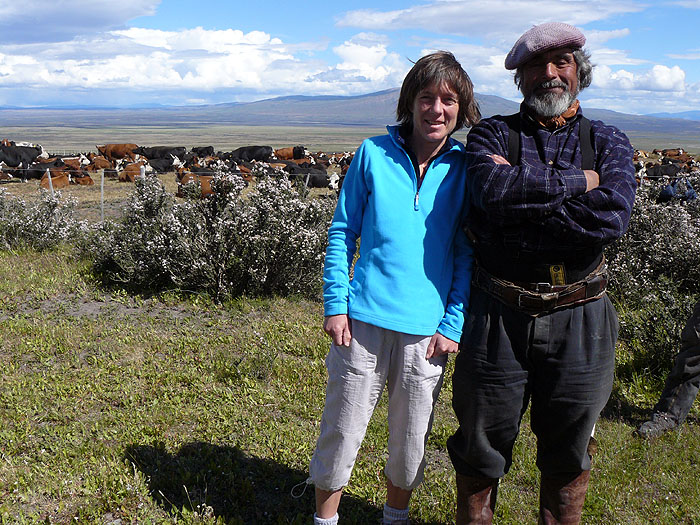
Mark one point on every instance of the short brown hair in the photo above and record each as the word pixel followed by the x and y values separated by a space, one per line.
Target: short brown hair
pixel 440 67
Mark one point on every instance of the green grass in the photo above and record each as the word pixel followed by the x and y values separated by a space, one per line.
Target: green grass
pixel 172 409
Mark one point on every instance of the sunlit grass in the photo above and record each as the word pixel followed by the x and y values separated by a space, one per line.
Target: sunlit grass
pixel 175 409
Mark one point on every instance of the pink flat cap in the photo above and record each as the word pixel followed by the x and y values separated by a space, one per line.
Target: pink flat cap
pixel 541 38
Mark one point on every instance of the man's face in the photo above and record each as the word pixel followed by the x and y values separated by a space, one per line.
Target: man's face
pixel 550 82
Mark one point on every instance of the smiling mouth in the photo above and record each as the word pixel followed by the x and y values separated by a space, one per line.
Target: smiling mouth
pixel 550 86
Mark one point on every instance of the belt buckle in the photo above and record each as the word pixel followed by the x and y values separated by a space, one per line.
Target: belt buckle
pixel 547 300
pixel 543 287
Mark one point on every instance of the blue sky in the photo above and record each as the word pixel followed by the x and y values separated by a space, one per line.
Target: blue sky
pixel 102 52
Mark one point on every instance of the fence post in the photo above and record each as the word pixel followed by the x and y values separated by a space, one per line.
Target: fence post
pixel 102 196
pixel 48 175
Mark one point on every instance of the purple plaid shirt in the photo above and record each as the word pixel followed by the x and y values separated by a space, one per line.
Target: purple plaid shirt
pixel 541 207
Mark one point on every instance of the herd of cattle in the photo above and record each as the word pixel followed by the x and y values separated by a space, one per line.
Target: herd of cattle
pixel 126 162
pixel 669 163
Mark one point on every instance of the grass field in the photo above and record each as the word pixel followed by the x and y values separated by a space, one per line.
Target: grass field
pixel 171 409
pixel 120 408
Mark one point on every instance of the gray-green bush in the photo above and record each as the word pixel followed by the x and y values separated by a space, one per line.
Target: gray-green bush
pixel 40 224
pixel 268 241
pixel 655 271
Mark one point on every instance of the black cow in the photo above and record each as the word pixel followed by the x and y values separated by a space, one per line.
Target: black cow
pixel 38 169
pixel 301 169
pixel 161 165
pixel 18 156
pixel 161 152
pixel 317 180
pixel 656 171
pixel 249 153
pixel 203 151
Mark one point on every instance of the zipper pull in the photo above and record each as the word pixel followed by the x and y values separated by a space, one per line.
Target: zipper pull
pixel 415 201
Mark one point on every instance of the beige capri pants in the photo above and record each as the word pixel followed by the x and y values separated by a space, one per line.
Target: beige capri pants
pixel 356 378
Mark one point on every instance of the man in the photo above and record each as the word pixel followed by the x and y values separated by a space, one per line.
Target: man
pixel 549 190
pixel 682 384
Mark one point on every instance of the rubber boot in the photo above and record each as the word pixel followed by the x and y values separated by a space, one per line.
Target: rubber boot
pixel 476 500
pixel 562 497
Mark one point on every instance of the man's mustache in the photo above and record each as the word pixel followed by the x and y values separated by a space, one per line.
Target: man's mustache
pixel 553 84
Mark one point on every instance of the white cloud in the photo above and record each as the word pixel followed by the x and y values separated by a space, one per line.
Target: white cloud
pixel 658 78
pixel 614 57
pixel 690 4
pixel 145 58
pixel 483 64
pixel 691 54
pixel 505 19
pixel 199 64
pixel 596 38
pixel 663 78
pixel 366 65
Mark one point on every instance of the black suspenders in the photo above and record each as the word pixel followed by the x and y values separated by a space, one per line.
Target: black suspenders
pixel 585 135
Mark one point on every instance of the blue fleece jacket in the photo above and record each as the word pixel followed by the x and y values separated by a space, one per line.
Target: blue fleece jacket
pixel 414 270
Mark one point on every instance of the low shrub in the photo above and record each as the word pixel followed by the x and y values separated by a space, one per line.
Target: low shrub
pixel 269 241
pixel 661 246
pixel 40 224
pixel 655 280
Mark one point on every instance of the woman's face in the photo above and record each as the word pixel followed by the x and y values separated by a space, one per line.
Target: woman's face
pixel 435 112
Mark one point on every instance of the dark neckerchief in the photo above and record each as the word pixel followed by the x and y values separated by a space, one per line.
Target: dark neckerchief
pixel 405 131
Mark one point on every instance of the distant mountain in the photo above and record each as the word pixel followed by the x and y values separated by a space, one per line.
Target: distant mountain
pixel 371 110
pixel 685 115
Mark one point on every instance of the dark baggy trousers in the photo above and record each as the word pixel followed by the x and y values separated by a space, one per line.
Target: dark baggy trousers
pixel 562 362
pixel 683 382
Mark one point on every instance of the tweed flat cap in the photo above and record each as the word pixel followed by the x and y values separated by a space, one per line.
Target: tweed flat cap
pixel 541 38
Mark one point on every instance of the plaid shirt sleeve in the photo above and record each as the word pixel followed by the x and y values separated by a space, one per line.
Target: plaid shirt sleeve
pixel 509 194
pixel 548 195
pixel 602 214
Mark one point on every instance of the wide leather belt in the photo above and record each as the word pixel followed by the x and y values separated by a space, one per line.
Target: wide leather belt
pixel 539 298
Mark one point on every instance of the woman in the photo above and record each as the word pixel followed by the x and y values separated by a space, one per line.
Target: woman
pixel 403 311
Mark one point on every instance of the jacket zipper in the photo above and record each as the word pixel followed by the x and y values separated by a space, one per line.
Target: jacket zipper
pixel 415 177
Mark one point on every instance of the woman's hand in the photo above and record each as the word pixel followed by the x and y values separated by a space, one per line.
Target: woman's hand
pixel 439 345
pixel 338 327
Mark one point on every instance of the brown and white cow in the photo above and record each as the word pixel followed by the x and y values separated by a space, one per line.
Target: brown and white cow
pixel 60 178
pixel 98 162
pixel 133 170
pixel 192 178
pixel 118 151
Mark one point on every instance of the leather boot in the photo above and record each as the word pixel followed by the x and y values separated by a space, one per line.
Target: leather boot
pixel 476 500
pixel 561 498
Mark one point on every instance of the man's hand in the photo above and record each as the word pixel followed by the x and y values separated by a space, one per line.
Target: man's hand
pixel 338 327
pixel 499 160
pixel 439 345
pixel 592 179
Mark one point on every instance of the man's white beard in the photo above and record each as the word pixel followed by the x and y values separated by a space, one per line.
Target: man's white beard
pixel 548 105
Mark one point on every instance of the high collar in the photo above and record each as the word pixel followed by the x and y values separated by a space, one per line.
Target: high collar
pixel 401 133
